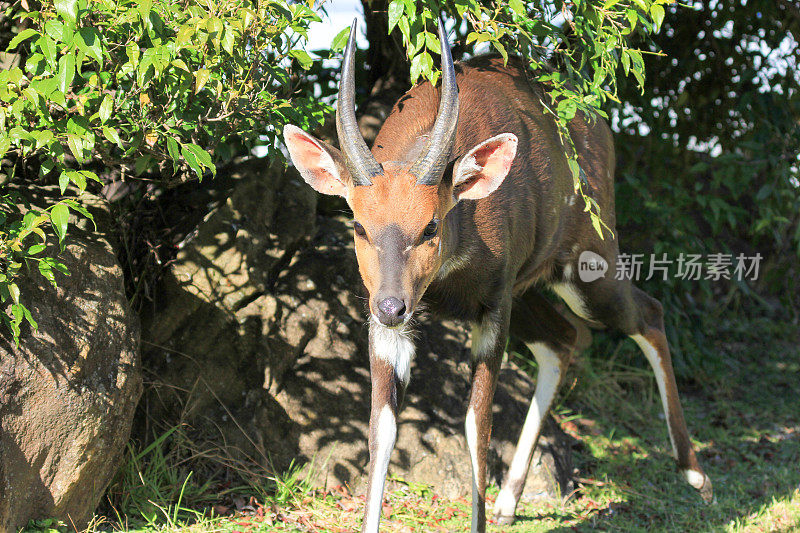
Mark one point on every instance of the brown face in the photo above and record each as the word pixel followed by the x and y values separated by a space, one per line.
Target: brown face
pixel 398 222
pixel 398 230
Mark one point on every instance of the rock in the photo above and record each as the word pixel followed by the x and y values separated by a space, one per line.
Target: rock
pixel 68 391
pixel 259 343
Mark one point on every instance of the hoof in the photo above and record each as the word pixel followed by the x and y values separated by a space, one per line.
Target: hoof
pixel 707 492
pixel 504 520
pixel 702 483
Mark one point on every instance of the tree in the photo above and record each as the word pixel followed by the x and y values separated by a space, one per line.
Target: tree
pixel 155 91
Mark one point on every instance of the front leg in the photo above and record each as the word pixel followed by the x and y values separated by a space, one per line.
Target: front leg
pixel 488 344
pixel 390 354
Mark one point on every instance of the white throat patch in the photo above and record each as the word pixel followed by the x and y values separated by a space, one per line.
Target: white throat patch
pixel 395 346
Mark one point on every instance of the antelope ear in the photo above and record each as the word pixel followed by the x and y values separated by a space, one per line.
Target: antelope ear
pixel 320 164
pixel 480 171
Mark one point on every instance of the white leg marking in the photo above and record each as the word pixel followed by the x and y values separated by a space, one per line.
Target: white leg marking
pixel 484 337
pixel 506 503
pixel 571 296
pixel 695 478
pixel 471 432
pixel 385 437
pixel 547 381
pixel 655 361
pixel 394 346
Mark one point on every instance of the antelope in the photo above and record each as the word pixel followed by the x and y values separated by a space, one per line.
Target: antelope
pixel 466 202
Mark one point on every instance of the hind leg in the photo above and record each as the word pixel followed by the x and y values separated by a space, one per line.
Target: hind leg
pixel 653 342
pixel 551 339
pixel 620 305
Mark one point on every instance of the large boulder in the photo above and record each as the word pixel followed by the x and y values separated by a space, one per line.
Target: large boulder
pixel 259 345
pixel 68 391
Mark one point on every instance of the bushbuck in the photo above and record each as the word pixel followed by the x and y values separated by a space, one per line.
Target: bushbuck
pixel 466 202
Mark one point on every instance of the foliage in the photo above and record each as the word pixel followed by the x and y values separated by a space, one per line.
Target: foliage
pixel 589 41
pixel 710 161
pixel 155 90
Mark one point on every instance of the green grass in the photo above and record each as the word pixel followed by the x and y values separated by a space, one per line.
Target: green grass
pixel 745 419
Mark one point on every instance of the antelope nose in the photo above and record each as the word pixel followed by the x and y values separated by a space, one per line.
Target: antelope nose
pixel 390 311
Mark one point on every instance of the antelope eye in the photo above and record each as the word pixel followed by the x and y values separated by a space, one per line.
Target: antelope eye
pixel 359 229
pixel 431 229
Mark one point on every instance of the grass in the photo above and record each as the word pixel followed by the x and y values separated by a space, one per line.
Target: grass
pixel 745 419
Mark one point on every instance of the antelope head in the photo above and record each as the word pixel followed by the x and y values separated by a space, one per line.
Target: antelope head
pixel 399 208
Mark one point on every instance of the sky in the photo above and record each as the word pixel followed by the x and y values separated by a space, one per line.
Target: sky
pixel 340 16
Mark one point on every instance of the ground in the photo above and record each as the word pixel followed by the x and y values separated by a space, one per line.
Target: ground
pixel 744 416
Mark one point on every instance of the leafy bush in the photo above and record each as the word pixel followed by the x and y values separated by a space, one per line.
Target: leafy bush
pixel 589 42
pixel 710 163
pixel 152 90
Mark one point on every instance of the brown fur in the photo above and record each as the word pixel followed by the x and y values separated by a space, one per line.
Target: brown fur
pixel 490 256
pixel 534 238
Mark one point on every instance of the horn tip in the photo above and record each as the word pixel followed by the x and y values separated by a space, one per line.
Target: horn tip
pixel 441 25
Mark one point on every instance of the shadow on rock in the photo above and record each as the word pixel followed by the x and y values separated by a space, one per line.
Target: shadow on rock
pixel 258 344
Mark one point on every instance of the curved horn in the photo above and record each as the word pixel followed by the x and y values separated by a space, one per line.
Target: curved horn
pixel 359 160
pixel 431 165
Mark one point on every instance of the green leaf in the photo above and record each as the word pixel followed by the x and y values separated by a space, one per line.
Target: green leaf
pixel 596 224
pixel 657 13
pixel 5 144
pixel 67 10
pixel 77 178
pixel 75 144
pixel 574 168
pixel 54 29
pixel 21 36
pixel 200 79
pixel 184 35
pixel 106 106
pixel 632 17
pixel 36 248
pixel 174 149
pixel 112 135
pixel 90 44
pixel 29 318
pixel 202 156
pixel 395 12
pixel 66 72
pixel 340 40
pixel 59 218
pixel 197 158
pixel 405 29
pixel 518 7
pixel 144 7
pixel 191 160
pixel 181 64
pixel 303 58
pixel 421 65
pixel 48 48
pixel 46 270
pixel 567 109
pixel 43 138
pixel 142 164
pixel 229 40
pixel 432 42
pixel 502 49
pixel 75 206
pixel 214 25
pixel 13 290
pixel 63 182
